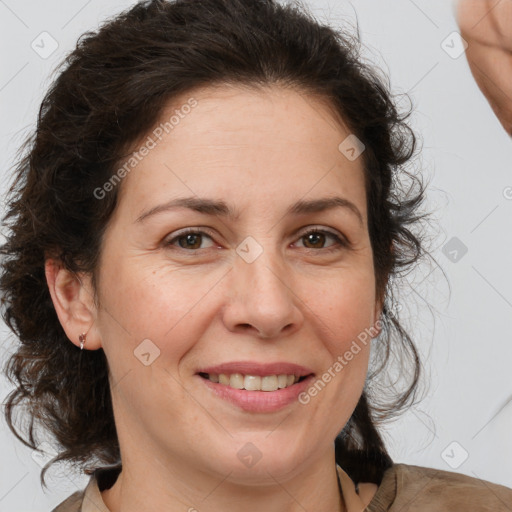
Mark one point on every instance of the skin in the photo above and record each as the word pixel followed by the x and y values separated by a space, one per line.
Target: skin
pixel 487 27
pixel 260 151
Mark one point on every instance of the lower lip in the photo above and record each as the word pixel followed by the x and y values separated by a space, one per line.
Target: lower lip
pixel 259 401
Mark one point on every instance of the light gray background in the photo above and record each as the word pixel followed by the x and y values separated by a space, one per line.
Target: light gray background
pixel 464 337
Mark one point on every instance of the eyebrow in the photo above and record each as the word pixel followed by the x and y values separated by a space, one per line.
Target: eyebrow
pixel 222 209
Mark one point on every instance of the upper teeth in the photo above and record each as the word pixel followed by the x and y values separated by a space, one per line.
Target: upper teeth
pixel 254 382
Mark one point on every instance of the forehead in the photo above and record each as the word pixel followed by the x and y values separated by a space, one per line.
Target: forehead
pixel 245 142
pixel 270 114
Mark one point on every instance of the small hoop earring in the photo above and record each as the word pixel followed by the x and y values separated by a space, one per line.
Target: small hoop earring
pixel 81 338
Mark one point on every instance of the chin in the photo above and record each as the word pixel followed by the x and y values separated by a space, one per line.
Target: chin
pixel 258 462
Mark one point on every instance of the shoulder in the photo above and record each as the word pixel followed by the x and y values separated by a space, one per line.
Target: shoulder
pixel 408 487
pixel 90 499
pixel 72 503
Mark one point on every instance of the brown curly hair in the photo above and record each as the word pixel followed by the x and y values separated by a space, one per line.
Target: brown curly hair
pixel 109 93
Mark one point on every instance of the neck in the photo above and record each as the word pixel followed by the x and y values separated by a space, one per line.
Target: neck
pixel 148 484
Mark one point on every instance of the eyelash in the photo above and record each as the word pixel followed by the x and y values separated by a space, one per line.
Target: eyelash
pixel 340 242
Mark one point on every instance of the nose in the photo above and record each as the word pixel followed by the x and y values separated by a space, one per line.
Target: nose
pixel 262 298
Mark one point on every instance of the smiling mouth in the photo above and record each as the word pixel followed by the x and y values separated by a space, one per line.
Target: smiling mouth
pixel 254 382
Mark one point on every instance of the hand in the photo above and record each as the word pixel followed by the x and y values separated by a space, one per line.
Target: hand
pixel 486 25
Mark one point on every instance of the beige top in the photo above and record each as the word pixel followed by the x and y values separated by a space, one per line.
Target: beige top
pixel 403 488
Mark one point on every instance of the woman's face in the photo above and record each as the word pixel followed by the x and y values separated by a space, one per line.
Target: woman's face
pixel 248 289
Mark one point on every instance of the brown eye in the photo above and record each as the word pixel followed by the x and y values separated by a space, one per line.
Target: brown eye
pixel 191 241
pixel 315 239
pixel 188 240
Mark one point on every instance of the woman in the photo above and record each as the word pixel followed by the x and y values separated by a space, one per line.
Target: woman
pixel 204 236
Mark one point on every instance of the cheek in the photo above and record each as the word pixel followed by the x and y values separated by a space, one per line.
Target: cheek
pixel 344 310
pixel 172 305
pixel 164 304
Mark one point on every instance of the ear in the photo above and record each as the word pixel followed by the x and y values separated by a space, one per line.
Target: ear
pixel 73 301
